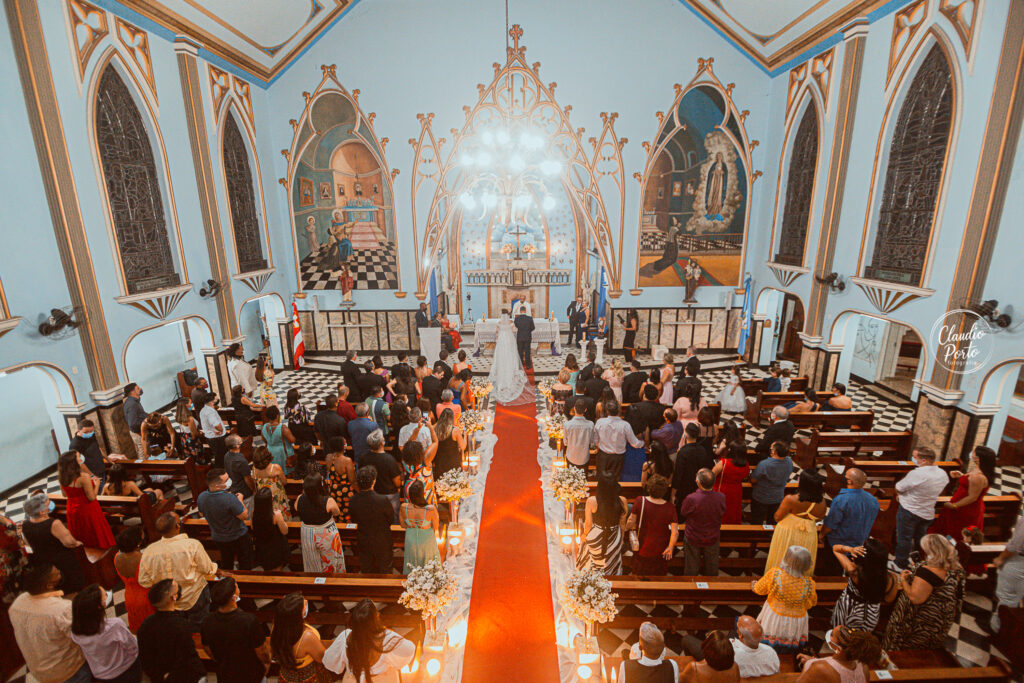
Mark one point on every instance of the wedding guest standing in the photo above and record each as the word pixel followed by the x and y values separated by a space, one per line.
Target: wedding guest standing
pixel 109 647
pixel 790 593
pixel 654 519
pixel 421 522
pixel 321 545
pixel 296 645
pixel 126 564
pixel 236 640
pixel 51 542
pixel 796 519
pixel 166 648
pixel 967 506
pixel 930 599
pixel 41 618
pixel 367 650
pixel 605 517
pixel 86 520
pixel 731 472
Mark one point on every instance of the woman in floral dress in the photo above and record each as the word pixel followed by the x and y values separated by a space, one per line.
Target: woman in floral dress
pixel 265 376
pixel 341 476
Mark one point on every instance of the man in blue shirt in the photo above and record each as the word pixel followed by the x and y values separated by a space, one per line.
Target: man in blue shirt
pixel 359 429
pixel 849 520
pixel 226 515
pixel 769 479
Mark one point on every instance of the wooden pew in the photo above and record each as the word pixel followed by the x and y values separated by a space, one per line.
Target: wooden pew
pixel 843 419
pixel 760 404
pixel 179 469
pixel 632 489
pixel 808 449
pixel 1000 517
pixel 322 588
pixel 119 508
pixel 752 385
pixel 997 672
pixel 885 472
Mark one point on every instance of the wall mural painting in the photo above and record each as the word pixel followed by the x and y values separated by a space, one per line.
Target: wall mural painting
pixel 694 211
pixel 342 201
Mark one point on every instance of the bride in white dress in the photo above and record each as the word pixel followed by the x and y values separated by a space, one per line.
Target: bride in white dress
pixel 508 380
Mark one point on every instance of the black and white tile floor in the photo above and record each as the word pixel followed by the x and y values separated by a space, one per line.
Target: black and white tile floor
pixel 966 639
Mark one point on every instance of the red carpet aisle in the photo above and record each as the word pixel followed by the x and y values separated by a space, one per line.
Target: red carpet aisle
pixel 511 623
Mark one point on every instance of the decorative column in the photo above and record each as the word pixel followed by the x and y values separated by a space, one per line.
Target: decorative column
pixel 109 418
pixel 753 354
pixel 945 427
pixel 991 181
pixel 854 39
pixel 59 186
pixel 819 362
pixel 216 360
pixel 188 68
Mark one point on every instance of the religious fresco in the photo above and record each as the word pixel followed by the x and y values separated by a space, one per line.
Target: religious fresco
pixel 694 204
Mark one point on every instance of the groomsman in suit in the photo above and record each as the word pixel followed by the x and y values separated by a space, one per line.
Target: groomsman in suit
pixel 691 361
pixel 573 313
pixel 423 317
pixel 524 337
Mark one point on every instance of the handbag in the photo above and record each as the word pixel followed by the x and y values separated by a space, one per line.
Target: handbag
pixel 634 534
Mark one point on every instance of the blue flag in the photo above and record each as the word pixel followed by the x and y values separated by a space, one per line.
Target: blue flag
pixel 748 312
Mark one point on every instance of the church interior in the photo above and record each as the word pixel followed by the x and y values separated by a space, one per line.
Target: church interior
pixel 734 237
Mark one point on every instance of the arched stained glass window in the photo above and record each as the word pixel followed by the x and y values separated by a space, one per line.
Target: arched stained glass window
pixel 796 213
pixel 914 177
pixel 133 189
pixel 242 200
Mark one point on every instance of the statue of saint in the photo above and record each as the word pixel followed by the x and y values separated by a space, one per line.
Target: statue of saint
pixel 692 273
pixel 358 189
pixel 715 190
pixel 347 283
pixel 311 238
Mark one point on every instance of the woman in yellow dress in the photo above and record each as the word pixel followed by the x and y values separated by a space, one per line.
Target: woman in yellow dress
pixel 790 592
pixel 796 520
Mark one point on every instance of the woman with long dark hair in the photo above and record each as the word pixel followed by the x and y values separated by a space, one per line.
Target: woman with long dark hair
pixel 421 522
pixel 321 545
pixel 85 517
pixel 269 531
pixel 403 383
pixel 296 645
pixel 245 412
pixel 967 506
pixel 658 462
pixel 367 652
pixel 574 369
pixel 187 435
pixel 604 522
pixel 689 405
pixel 796 519
pixel 277 436
pixel 265 377
pixel 730 472
pixel 451 442
pixel 126 564
pixel 629 337
pixel 870 584
pixel 297 416
pixel 269 474
pixel 120 484
pixel 109 647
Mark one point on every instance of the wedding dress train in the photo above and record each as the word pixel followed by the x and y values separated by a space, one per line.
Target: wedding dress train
pixel 508 379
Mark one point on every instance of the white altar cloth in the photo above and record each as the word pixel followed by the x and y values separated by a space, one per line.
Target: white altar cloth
pixel 545 332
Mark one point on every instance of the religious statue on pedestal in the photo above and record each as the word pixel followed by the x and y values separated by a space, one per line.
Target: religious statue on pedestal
pixel 347 284
pixel 692 274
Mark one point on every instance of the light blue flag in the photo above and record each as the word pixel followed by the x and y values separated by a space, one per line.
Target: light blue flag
pixel 748 313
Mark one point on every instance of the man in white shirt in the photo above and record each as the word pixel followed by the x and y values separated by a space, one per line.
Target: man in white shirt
pixel 417 426
pixel 578 436
pixel 241 372
pixel 917 495
pixel 213 429
pixel 753 657
pixel 647 658
pixel 611 434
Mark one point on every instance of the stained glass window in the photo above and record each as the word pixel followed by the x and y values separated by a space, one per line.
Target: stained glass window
pixel 242 200
pixel 133 189
pixel 914 176
pixel 796 213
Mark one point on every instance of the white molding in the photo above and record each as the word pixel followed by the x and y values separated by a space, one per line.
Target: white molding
pixel 8 324
pixel 810 341
pixel 886 297
pixel 984 409
pixel 786 274
pixel 158 304
pixel 108 397
pixel 832 348
pixel 71 409
pixel 943 397
pixel 254 279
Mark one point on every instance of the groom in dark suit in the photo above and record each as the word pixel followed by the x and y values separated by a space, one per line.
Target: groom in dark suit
pixel 524 337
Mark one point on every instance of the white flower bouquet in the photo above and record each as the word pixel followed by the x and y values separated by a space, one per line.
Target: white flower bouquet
pixel 429 589
pixel 454 485
pixel 544 387
pixel 569 484
pixel 473 420
pixel 481 391
pixel 587 595
pixel 555 424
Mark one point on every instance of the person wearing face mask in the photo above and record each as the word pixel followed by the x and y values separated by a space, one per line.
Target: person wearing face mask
pixel 236 640
pixel 917 494
pixel 51 542
pixel 296 645
pixel 166 648
pixel 109 647
pixel 226 514
pixel 84 442
pixel 85 517
pixel 134 415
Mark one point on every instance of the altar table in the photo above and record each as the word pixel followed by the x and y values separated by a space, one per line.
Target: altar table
pixel 545 332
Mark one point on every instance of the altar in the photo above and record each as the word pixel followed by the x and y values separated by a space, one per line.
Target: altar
pixel 545 332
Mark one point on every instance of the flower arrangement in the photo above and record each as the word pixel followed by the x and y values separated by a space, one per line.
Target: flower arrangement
pixel 544 387
pixel 530 248
pixel 587 595
pixel 507 248
pixel 454 485
pixel 481 391
pixel 474 420
pixel 555 424
pixel 429 589
pixel 569 484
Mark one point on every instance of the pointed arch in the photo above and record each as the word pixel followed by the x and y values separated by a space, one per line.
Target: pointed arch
pixel 915 149
pixel 243 189
pixel 134 180
pixel 799 159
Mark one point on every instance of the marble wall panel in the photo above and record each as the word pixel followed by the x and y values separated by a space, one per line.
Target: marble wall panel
pixel 398 330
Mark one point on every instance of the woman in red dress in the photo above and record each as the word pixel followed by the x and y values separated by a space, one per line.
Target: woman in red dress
pixel 731 472
pixel 85 519
pixel 967 506
pixel 126 563
pixel 447 327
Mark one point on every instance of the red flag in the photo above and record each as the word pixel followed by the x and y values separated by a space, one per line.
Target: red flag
pixel 298 348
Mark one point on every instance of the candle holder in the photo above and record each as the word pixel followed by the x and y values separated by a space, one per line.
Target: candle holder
pixel 566 536
pixel 588 653
pixel 456 539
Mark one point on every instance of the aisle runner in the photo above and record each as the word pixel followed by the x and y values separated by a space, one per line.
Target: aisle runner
pixel 511 623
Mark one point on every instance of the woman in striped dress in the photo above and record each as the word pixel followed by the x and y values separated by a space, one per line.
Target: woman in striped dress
pixel 602 529
pixel 870 584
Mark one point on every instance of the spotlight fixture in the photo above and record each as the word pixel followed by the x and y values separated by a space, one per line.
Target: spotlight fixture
pixel 57 321
pixel 989 310
pixel 210 289
pixel 833 280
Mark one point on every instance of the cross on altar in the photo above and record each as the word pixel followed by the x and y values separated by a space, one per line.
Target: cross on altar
pixel 518 232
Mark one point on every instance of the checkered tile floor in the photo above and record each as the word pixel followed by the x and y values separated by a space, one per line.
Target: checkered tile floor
pixel 653 241
pixel 371 269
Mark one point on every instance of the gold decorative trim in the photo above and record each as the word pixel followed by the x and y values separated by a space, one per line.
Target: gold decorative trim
pixel 220 86
pixel 581 185
pixel 797 76
pixel 907 22
pixel 669 125
pixel 329 84
pixel 158 304
pixel 607 162
pixel 963 14
pixel 136 42
pixel 8 324
pixel 821 72
pixel 786 274
pixel 88 28
pixel 241 90
pixel 254 280
pixel 886 297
